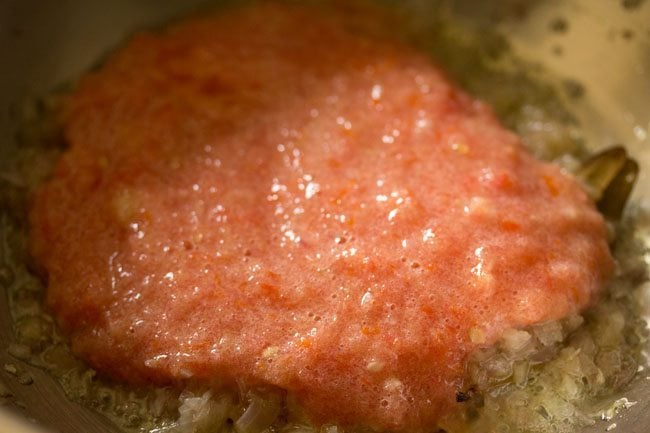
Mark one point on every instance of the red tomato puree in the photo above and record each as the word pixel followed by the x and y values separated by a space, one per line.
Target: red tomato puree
pixel 271 195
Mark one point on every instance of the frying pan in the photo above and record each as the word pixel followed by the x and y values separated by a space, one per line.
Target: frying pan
pixel 602 44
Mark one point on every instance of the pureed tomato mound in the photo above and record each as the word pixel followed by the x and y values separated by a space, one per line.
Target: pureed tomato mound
pixel 269 196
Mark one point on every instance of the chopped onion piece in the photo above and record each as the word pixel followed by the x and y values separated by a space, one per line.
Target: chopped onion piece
pixel 203 414
pixel 517 343
pixel 548 333
pixel 260 414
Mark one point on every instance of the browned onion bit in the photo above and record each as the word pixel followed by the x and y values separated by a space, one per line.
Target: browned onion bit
pixel 609 177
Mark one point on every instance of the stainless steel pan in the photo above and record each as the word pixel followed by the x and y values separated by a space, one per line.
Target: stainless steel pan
pixel 603 44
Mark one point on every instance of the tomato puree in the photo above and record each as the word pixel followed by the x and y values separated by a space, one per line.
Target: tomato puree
pixel 275 196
